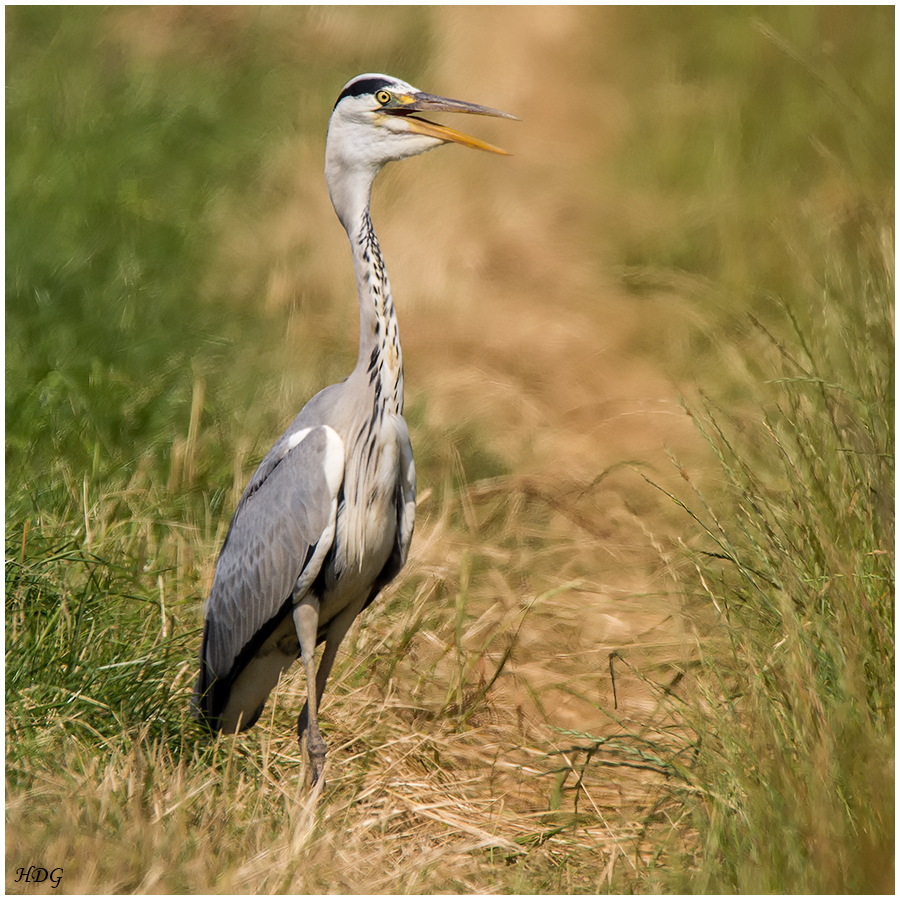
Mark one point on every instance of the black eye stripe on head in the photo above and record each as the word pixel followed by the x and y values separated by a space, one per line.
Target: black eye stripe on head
pixel 363 86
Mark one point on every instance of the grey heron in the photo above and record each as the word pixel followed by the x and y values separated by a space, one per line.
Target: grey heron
pixel 327 518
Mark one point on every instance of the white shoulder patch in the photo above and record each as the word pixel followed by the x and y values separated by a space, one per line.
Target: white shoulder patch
pixel 334 459
pixel 297 437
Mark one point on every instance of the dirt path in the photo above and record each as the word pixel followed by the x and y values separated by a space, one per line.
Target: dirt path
pixel 523 327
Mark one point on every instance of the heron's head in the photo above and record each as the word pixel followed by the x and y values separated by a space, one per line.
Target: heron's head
pixel 375 121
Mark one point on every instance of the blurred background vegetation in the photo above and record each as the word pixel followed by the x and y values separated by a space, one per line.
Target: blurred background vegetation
pixel 650 386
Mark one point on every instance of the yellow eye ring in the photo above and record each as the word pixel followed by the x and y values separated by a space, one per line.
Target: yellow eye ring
pixel 383 97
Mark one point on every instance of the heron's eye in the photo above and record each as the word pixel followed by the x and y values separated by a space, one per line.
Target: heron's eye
pixel 383 97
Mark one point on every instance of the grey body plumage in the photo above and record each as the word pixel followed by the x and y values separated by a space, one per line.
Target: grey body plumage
pixel 327 518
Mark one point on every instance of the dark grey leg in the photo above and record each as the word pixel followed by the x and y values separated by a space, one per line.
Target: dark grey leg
pixel 306 621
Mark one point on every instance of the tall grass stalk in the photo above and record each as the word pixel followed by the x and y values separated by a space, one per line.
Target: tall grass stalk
pixel 795 721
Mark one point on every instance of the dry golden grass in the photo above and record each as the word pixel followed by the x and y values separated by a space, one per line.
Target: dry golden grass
pixel 477 741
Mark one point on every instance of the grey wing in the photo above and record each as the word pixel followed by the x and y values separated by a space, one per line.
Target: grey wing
pixel 279 537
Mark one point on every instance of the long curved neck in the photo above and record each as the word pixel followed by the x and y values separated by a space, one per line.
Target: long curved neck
pixel 380 361
pixel 350 178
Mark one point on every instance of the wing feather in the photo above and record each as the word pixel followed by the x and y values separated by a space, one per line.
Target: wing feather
pixel 279 536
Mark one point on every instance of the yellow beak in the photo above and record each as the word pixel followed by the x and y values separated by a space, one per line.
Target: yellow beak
pixel 421 101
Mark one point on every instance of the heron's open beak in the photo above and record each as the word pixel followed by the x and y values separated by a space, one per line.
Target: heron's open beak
pixel 421 102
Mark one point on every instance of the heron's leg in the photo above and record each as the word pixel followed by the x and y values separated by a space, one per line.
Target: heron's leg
pixel 337 630
pixel 306 621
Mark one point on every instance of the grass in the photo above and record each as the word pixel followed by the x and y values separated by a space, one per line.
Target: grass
pixel 794 725
pixel 792 786
pixel 600 671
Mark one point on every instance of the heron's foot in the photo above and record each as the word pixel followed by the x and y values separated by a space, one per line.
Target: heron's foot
pixel 316 751
pixel 316 747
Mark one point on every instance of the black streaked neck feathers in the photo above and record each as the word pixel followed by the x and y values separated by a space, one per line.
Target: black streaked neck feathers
pixel 380 357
